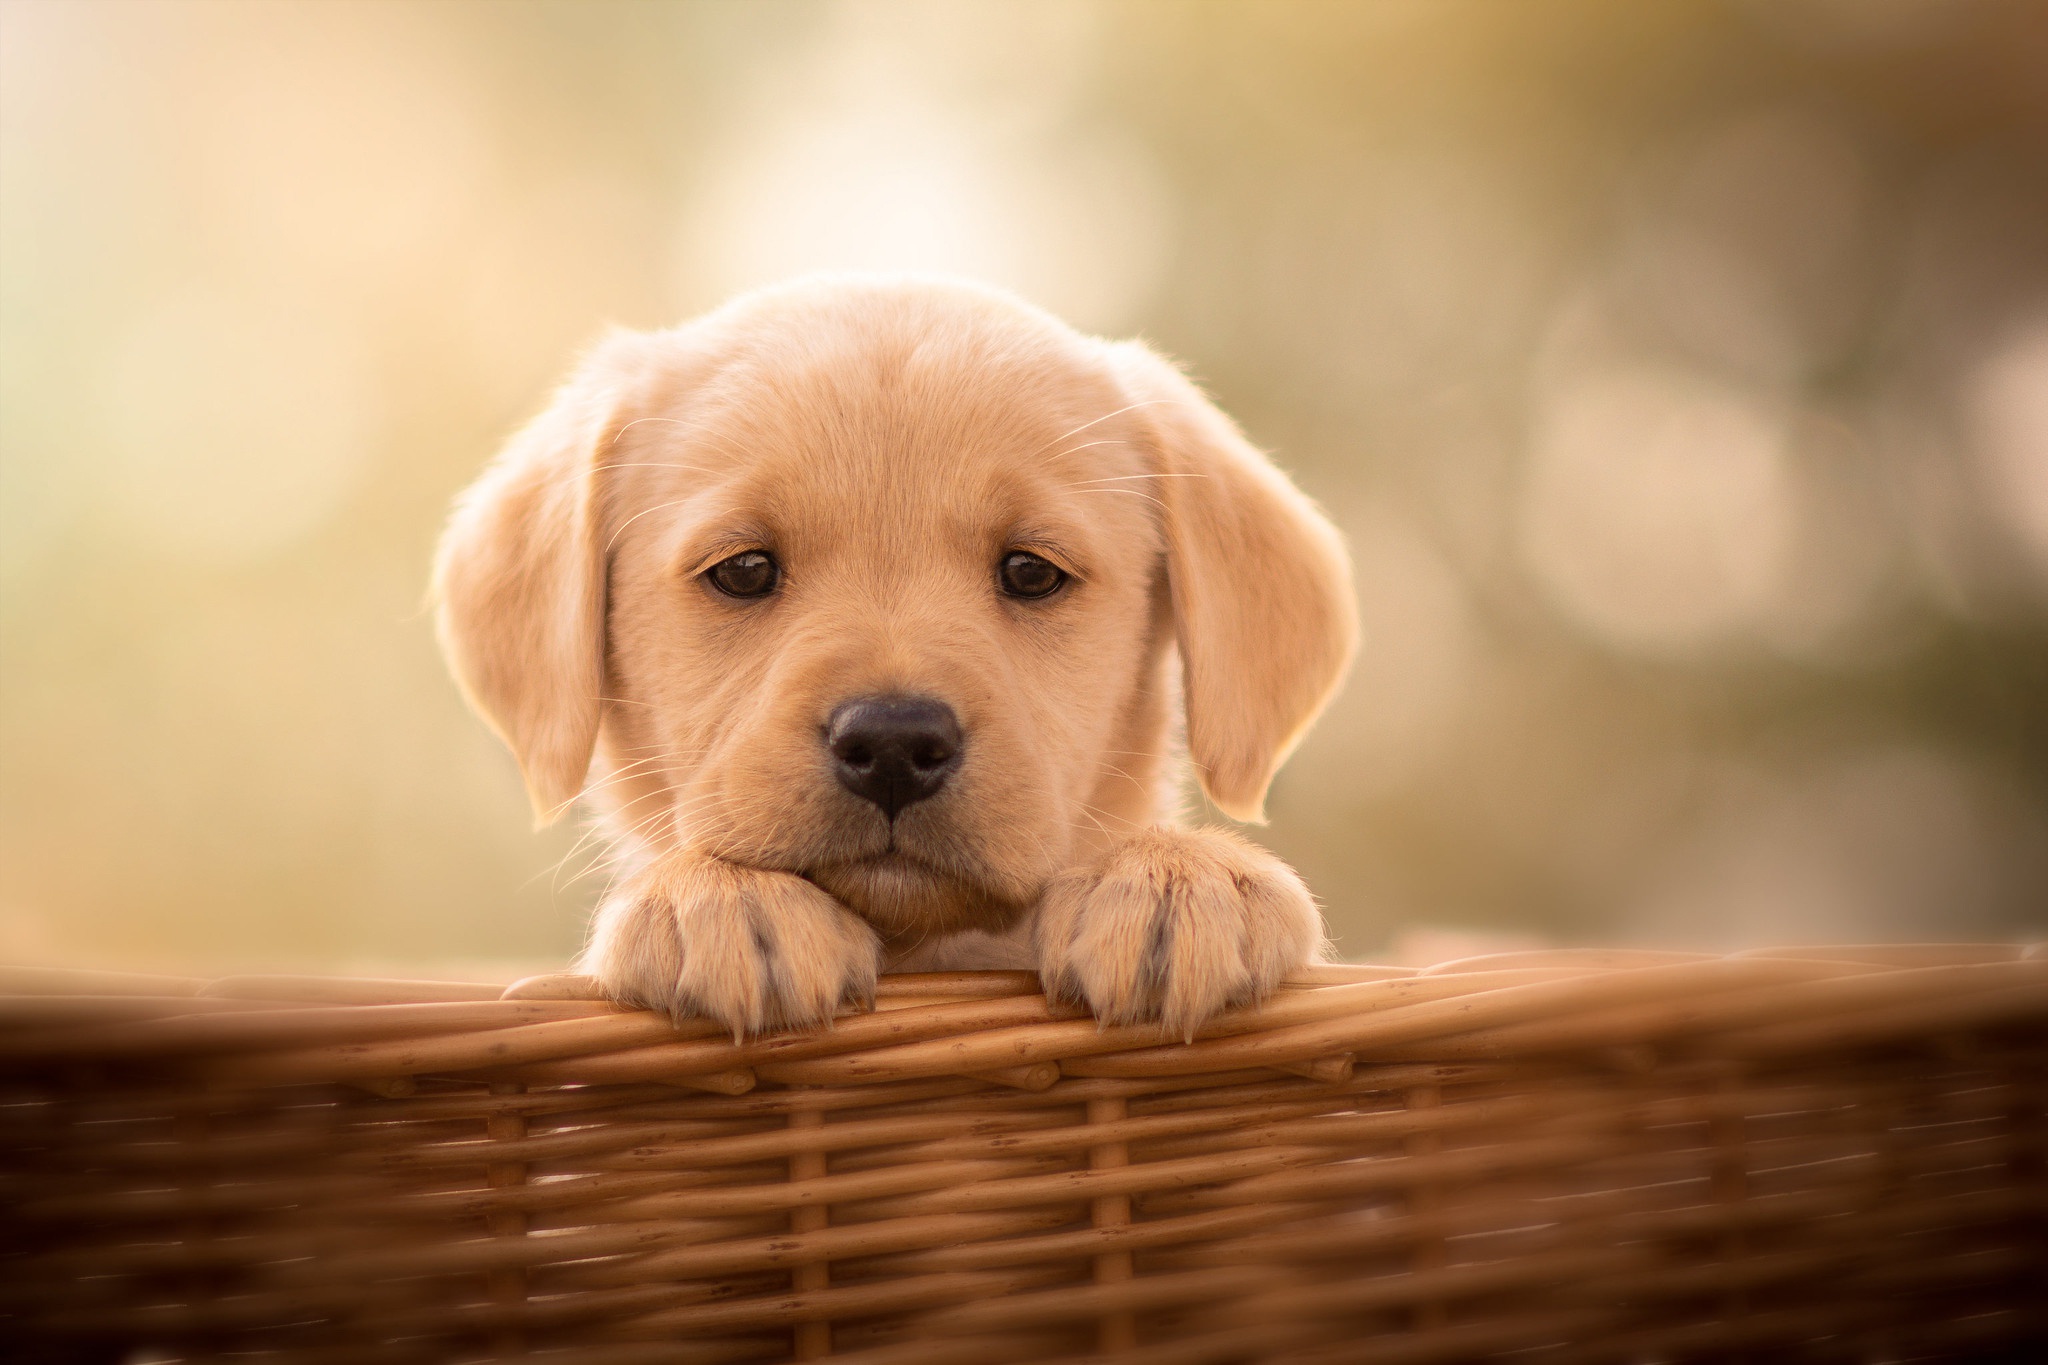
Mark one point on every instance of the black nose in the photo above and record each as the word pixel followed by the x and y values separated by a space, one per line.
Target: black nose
pixel 894 751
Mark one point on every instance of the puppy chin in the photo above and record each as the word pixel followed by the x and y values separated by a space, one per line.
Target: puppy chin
pixel 907 901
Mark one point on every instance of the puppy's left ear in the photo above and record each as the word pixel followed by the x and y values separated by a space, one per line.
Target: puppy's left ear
pixel 1264 613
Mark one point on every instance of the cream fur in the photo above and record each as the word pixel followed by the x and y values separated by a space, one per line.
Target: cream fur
pixel 888 440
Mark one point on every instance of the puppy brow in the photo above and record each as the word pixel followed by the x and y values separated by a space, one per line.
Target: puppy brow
pixel 1049 544
pixel 709 547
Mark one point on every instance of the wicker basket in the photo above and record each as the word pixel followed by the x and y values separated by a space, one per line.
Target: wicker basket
pixel 1815 1154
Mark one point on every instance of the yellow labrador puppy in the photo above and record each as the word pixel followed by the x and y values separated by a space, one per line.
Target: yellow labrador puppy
pixel 861 610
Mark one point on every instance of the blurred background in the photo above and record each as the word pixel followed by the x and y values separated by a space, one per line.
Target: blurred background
pixel 1678 371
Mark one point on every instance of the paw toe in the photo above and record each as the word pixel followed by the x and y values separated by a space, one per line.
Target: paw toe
pixel 753 950
pixel 1176 927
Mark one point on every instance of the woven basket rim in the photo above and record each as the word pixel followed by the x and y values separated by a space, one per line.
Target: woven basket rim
pixel 1624 1005
pixel 1609 1145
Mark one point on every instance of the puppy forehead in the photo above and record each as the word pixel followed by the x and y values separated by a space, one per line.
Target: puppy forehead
pixel 831 432
pixel 891 486
pixel 931 449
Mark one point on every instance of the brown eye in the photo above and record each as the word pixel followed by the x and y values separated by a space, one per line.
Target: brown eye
pixel 752 574
pixel 1024 574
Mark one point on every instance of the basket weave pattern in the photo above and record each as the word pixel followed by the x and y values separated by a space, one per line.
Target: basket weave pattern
pixel 1815 1154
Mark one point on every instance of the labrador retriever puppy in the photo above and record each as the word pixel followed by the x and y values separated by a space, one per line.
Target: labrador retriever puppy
pixel 863 611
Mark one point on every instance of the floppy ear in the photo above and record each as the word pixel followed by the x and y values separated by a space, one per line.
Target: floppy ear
pixel 519 583
pixel 1263 608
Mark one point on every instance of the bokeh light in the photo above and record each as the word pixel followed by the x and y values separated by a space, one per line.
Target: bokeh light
pixel 1659 509
pixel 232 430
pixel 927 138
pixel 2008 416
pixel 1677 372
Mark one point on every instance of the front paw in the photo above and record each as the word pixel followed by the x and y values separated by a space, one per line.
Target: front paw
pixel 1175 925
pixel 755 950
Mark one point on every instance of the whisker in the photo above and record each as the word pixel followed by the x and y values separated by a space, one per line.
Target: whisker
pixel 1085 445
pixel 598 830
pixel 1143 403
pixel 1122 478
pixel 1124 775
pixel 1132 492
pixel 638 767
pixel 653 464
pixel 665 811
pixel 678 502
pixel 593 788
pixel 619 852
pixel 1087 810
pixel 601 829
pixel 620 433
pixel 1132 824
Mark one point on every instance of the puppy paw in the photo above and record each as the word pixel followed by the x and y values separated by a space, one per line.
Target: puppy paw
pixel 1175 925
pixel 754 950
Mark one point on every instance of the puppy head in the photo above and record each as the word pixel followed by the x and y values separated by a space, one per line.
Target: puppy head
pixel 877 581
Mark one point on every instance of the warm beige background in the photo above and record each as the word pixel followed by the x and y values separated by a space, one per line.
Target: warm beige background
pixel 1679 371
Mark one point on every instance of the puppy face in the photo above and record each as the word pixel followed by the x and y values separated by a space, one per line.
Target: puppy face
pixel 829 520
pixel 879 583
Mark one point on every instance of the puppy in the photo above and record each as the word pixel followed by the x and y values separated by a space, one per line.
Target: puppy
pixel 861 610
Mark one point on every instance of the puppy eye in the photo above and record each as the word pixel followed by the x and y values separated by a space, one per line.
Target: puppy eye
pixel 753 573
pixel 1024 574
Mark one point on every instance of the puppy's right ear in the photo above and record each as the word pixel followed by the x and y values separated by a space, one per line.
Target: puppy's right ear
pixel 519 581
